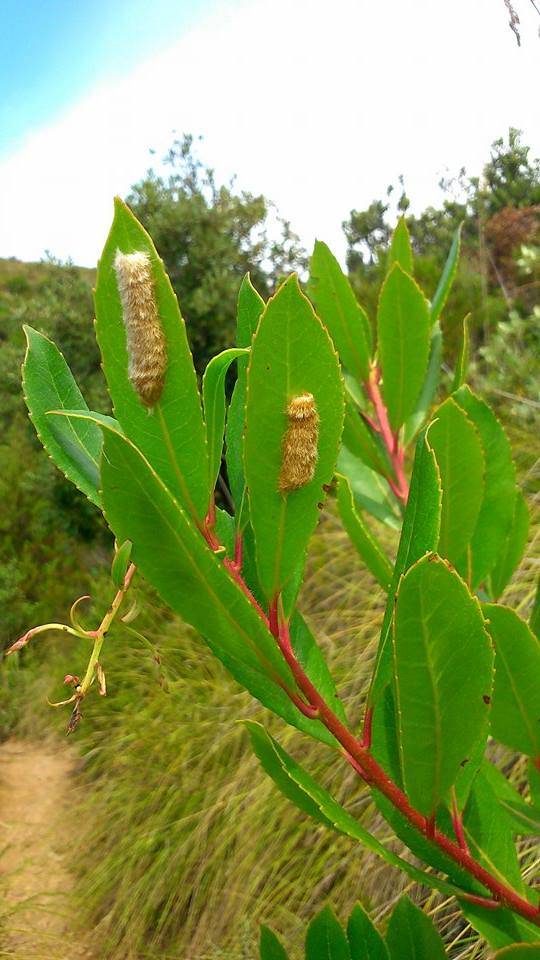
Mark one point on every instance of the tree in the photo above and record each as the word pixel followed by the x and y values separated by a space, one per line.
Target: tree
pixel 499 211
pixel 209 236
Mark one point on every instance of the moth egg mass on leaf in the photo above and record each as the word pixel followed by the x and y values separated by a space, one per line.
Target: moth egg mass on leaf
pixel 146 345
pixel 299 448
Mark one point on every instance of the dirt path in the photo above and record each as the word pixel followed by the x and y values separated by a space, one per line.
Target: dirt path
pixel 36 915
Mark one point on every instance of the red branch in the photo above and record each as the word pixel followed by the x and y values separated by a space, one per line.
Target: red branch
pixel 369 769
pixel 396 452
pixel 357 753
pixel 457 823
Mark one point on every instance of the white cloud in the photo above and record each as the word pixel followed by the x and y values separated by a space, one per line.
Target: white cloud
pixel 318 105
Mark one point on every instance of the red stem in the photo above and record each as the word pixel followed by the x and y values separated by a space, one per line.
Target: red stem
pixel 390 439
pixel 457 823
pixel 358 755
pixel 370 770
pixel 238 552
pixel 367 731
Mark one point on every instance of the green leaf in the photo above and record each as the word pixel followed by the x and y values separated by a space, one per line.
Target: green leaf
pixel 84 414
pixel 519 951
pixel 365 941
pixel 469 770
pixel 365 543
pixel 489 834
pixel 250 574
pixel 429 389
pixel 73 445
pixel 513 549
pixel 499 927
pixel 462 361
pixel 404 333
pixel 534 620
pixel 419 535
pixel 497 509
pixel 171 436
pixel 172 555
pixel 457 447
pixel 299 787
pixel 312 660
pixel 515 714
pixel 385 749
pixel 213 390
pixel 443 675
pixel 426 851
pixel 355 391
pixel 360 439
pixel 120 563
pixel 291 355
pixel 534 780
pixel 371 492
pixel 523 817
pixel 250 308
pixel 400 248
pixel 269 946
pixel 347 323
pixel 447 277
pixel 325 940
pixel 411 934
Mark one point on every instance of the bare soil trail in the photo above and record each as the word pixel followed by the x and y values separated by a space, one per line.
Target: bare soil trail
pixel 37 919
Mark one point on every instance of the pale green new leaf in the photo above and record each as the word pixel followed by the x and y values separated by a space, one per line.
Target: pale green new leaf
pixel 447 277
pixel 369 550
pixel 120 563
pixel 347 323
pixel 291 355
pixel 74 445
pixel 404 334
pixel 171 436
pixel 214 404
pixel 515 715
pixel 443 677
pixel 360 439
pixel 400 248
pixel 460 458
pixel 370 490
pixel 411 934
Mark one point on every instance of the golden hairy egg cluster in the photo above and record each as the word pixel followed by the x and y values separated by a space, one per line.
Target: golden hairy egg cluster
pixel 146 346
pixel 299 451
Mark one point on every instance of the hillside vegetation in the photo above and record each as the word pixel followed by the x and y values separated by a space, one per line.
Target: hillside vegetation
pixel 180 843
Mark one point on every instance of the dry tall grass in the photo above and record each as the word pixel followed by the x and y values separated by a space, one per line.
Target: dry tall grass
pixel 181 842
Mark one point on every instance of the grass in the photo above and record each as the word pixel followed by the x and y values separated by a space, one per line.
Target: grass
pixel 181 843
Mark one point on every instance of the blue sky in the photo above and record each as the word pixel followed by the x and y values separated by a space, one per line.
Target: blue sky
pixel 317 105
pixel 53 51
